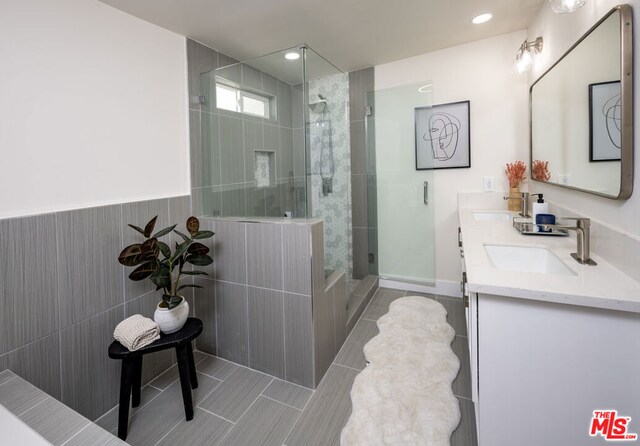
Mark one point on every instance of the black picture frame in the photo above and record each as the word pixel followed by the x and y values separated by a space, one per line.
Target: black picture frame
pixel 604 121
pixel 443 136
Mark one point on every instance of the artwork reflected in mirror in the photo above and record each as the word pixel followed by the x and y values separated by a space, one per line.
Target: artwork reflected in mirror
pixel 605 114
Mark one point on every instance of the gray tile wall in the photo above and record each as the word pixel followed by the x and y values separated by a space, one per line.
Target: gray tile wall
pixel 270 309
pixel 363 174
pixel 223 142
pixel 63 293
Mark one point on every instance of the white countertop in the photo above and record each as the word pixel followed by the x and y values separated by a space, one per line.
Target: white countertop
pixel 600 286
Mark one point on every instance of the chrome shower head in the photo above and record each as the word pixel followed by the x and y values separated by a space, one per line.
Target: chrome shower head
pixel 319 106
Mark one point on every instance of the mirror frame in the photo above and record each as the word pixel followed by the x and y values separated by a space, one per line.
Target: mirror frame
pixel 626 90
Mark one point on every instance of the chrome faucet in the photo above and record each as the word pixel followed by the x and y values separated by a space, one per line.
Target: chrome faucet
pixel 524 198
pixel 583 237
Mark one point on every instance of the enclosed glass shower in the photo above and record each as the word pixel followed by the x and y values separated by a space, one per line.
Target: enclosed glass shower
pixel 275 138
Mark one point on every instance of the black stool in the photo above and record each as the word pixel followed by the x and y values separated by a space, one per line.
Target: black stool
pixel 131 374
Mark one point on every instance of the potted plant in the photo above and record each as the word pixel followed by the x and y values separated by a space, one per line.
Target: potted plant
pixel 155 260
pixel 515 175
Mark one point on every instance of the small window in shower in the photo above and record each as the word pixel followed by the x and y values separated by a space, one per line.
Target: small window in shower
pixel 242 101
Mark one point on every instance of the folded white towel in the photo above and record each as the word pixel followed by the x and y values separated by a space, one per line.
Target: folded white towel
pixel 136 332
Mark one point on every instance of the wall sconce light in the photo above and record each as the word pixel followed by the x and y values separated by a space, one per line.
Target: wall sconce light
pixel 564 6
pixel 527 53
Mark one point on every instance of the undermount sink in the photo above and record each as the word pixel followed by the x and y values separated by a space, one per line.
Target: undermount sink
pixel 530 259
pixel 492 216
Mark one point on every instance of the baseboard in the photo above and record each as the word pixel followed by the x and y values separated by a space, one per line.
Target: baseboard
pixel 441 288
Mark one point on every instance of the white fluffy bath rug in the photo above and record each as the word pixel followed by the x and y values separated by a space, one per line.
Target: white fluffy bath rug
pixel 404 396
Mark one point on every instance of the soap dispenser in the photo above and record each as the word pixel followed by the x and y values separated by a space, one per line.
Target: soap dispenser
pixel 539 207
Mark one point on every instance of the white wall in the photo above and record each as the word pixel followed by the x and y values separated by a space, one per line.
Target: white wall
pixel 481 72
pixel 559 33
pixel 92 107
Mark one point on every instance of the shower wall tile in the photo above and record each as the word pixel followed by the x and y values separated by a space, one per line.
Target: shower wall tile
pixel 284 104
pixel 296 250
pixel 204 300
pixel 138 214
pixel 266 333
pixel 339 313
pixel 264 255
pixel 195 149
pixel 298 339
pixel 317 261
pixel 233 200
pixel 358 148
pixel 28 295
pixel 251 77
pixel 231 322
pixel 253 138
pixel 229 250
pixel 360 253
pixel 269 84
pixel 272 138
pixel 231 150
pixel 360 83
pixel 193 75
pixel 209 165
pixel 206 59
pixel 299 170
pixel 90 379
pixel 90 279
pixel 273 202
pixel 297 101
pixel 359 200
pixel 256 201
pixel 285 159
pixel 230 68
pixel 179 212
pixel 38 363
pixel 323 332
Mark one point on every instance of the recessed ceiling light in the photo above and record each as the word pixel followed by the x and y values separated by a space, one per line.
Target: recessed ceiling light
pixel 292 55
pixel 481 18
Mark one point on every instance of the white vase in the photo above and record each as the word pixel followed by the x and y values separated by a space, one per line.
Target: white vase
pixel 172 320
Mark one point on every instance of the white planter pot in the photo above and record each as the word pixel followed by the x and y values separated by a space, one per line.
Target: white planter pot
pixel 172 320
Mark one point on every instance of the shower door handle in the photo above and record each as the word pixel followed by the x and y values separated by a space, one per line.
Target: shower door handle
pixel 426 192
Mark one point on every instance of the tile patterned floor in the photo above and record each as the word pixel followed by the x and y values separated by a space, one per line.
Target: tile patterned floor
pixel 239 406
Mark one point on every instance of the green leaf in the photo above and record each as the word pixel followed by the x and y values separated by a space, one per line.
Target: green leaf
pixel 132 255
pixel 162 277
pixel 203 234
pixel 184 237
pixel 193 225
pixel 180 249
pixel 198 249
pixel 188 286
pixel 140 230
pixel 199 260
pixel 194 273
pixel 149 228
pixel 143 271
pixel 171 301
pixel 164 249
pixel 164 231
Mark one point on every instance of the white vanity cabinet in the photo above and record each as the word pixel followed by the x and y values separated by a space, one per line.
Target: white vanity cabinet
pixel 546 352
pixel 543 368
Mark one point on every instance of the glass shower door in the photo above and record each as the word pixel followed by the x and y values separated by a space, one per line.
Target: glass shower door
pixel 405 211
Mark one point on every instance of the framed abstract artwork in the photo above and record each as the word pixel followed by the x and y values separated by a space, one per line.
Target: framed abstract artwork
pixel 443 136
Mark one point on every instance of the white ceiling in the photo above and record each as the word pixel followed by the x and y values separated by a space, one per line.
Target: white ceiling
pixel 351 34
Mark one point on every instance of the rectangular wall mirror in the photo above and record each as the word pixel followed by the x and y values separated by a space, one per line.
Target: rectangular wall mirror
pixel 581 112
